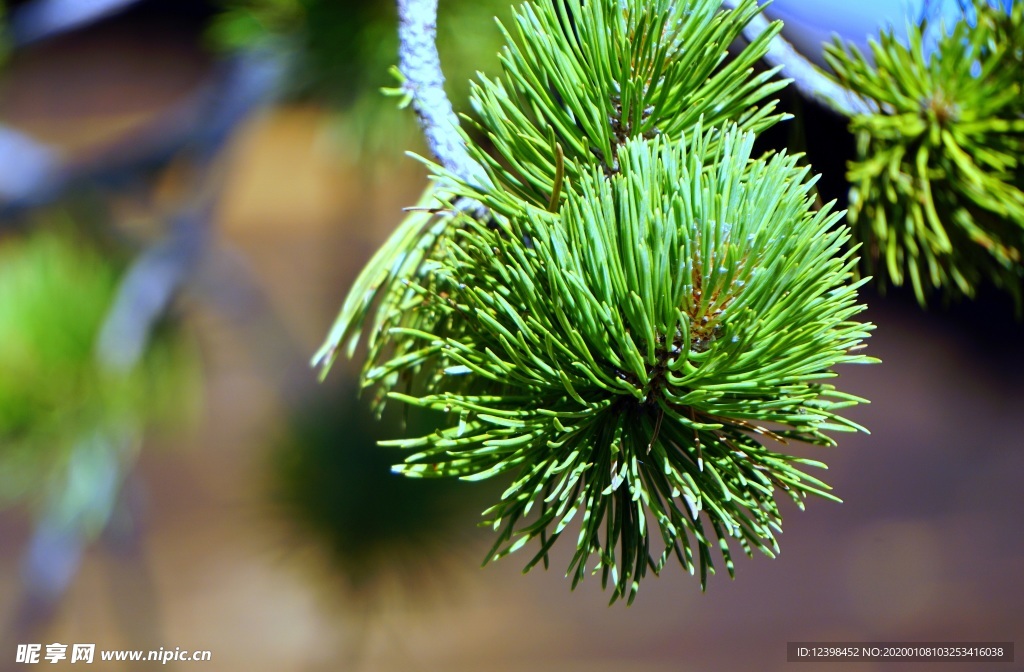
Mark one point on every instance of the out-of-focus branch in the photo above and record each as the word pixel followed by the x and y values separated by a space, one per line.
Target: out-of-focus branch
pixel 42 19
pixel 424 81
pixel 158 273
pixel 32 174
pixel 149 286
pixel 88 491
pixel 809 80
pixel 28 168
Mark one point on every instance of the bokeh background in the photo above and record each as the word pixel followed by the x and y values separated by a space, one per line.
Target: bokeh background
pixel 265 526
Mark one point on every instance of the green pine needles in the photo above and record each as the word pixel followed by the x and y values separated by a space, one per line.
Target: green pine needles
pixel 55 292
pixel 594 75
pixel 646 317
pixel 938 185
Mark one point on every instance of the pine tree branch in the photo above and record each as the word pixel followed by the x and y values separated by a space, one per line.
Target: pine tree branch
pixel 601 338
pixel 810 80
pixel 420 65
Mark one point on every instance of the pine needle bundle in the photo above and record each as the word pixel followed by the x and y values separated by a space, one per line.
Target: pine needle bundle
pixel 647 314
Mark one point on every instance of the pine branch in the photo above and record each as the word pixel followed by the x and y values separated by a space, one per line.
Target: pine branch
pixel 647 307
pixel 420 65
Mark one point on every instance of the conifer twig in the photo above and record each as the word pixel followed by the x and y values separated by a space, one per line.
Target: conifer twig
pixel 603 337
pixel 420 65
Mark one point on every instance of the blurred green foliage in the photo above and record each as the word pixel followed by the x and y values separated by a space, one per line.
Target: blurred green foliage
pixel 4 47
pixel 342 50
pixel 332 480
pixel 244 22
pixel 55 291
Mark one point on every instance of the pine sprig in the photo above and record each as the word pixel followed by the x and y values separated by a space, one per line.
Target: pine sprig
pixel 623 363
pixel 645 316
pixel 938 185
pixel 589 79
pixel 530 137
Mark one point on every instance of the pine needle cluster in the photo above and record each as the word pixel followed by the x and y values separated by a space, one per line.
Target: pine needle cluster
pixel 646 317
pixel 938 185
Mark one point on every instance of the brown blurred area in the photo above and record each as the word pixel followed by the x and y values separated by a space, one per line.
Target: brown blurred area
pixel 927 546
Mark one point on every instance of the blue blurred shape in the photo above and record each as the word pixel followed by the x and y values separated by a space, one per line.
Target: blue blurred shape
pixel 809 24
pixel 28 169
pixel 41 19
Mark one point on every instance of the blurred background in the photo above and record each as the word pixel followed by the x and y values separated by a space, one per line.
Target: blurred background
pixel 187 189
